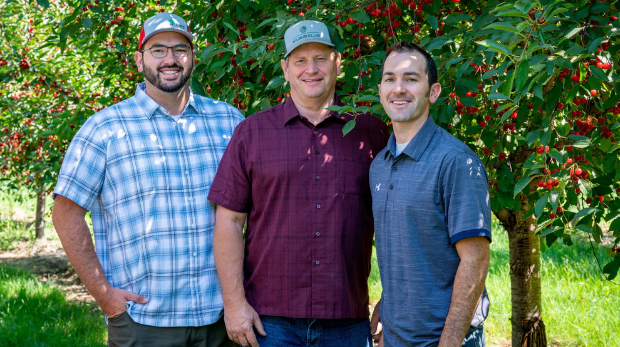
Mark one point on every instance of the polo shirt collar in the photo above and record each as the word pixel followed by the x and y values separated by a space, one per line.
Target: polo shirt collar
pixel 289 111
pixel 416 148
pixel 150 106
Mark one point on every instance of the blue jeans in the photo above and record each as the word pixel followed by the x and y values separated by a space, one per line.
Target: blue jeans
pixel 306 332
pixel 474 337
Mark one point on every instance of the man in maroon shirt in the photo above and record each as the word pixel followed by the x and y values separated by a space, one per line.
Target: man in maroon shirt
pixel 304 190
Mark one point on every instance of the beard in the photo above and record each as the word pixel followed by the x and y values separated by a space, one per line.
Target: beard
pixel 171 87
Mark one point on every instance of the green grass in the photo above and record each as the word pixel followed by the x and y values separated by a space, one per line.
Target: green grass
pixel 37 314
pixel 580 308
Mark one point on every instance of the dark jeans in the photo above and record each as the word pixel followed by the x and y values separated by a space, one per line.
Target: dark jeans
pixel 474 337
pixel 305 332
pixel 124 332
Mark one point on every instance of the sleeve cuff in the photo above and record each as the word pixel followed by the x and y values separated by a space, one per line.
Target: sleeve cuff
pixel 471 233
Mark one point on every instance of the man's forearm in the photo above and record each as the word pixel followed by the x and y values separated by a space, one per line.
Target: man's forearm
pixel 76 239
pixel 467 290
pixel 228 251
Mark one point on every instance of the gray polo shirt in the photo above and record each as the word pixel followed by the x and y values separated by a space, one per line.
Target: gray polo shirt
pixel 424 200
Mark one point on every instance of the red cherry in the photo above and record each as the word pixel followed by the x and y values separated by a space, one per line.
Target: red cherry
pixel 162 10
pixel 290 2
pixel 362 87
pixel 270 47
pixel 575 78
pixel 540 150
pixel 606 66
pixel 560 106
pixel 578 171
pixel 594 92
pixel 601 198
pixel 487 151
pixel 208 90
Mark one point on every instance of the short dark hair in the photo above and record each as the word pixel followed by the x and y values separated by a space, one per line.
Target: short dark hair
pixel 406 46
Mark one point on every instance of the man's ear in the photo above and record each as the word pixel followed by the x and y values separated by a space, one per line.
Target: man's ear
pixel 435 92
pixel 284 68
pixel 138 58
pixel 338 64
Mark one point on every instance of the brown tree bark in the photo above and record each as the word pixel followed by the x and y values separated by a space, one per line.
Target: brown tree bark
pixel 528 329
pixel 40 216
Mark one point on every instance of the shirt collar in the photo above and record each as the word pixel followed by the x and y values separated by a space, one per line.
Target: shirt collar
pixel 150 106
pixel 416 148
pixel 289 111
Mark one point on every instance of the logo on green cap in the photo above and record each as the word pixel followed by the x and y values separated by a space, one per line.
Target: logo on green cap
pixel 171 22
pixel 303 30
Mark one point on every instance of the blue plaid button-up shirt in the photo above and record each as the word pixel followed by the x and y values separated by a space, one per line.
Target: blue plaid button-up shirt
pixel 145 178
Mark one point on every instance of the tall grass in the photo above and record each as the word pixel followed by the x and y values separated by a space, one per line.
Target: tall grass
pixel 37 314
pixel 580 308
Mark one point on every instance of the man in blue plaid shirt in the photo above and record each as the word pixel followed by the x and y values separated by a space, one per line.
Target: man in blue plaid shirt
pixel 143 167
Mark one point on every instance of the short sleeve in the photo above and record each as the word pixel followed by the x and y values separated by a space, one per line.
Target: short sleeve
pixel 83 169
pixel 231 186
pixel 466 198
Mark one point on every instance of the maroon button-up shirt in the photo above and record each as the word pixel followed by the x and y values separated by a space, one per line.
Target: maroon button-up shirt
pixel 310 227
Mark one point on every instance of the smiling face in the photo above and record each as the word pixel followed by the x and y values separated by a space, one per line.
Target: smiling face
pixel 311 70
pixel 404 90
pixel 169 74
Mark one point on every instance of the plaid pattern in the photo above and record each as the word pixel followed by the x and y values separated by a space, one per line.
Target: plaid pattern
pixel 145 178
pixel 308 241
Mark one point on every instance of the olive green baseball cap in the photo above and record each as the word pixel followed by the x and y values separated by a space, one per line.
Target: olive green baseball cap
pixel 304 32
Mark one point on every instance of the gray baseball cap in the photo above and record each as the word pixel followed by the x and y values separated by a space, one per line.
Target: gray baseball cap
pixel 304 32
pixel 164 22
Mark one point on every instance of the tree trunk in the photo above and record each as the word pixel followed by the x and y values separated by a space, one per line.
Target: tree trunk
pixel 528 329
pixel 40 218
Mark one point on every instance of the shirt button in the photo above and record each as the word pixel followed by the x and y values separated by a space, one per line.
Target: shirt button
pixel 391 186
pixel 318 206
pixel 315 128
pixel 317 262
pixel 318 178
pixel 394 168
pixel 187 172
pixel 318 233
pixel 317 151
pixel 194 254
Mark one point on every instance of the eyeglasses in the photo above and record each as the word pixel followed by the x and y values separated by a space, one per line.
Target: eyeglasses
pixel 179 51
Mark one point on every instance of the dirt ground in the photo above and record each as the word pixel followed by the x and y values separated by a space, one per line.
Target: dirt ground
pixel 48 261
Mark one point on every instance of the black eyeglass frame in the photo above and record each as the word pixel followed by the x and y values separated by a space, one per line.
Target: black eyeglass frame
pixel 167 48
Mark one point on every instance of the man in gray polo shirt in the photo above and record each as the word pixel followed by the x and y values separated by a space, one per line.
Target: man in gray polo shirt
pixel 432 216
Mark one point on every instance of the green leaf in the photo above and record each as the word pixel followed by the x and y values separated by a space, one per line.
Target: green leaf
pixel 360 16
pixel 437 42
pixel 554 198
pixel 197 87
pixel 612 268
pixel 87 23
pixel 461 70
pixel 495 46
pixel 498 96
pixel 454 61
pixel 595 43
pixel 584 228
pixel 503 27
pixel 612 100
pixel 585 212
pixel 532 137
pixel 599 73
pixel 432 20
pixel 553 153
pixel 507 89
pixel 275 83
pixel 521 184
pixel 540 205
pixel 512 13
pixel 580 141
pixel 348 127
pixel 522 72
pixel 44 3
pixel 368 98
pixel 473 130
pixel 232 28
pixel 96 10
pixel 573 32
